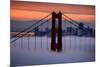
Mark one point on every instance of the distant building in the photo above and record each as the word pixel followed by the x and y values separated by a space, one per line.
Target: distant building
pixel 76 31
pixel 80 29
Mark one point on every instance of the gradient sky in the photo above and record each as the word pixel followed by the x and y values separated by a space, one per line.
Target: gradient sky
pixel 35 11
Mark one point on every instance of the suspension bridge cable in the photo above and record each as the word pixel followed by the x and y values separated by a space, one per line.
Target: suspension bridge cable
pixel 69 22
pixel 86 30
pixel 35 38
pixel 28 41
pixel 22 42
pixel 29 31
pixel 32 25
pixel 76 26
pixel 70 38
pixel 14 44
pixel 41 35
pixel 72 19
pixel 47 34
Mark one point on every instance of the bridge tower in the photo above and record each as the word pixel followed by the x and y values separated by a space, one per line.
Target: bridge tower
pixel 56 34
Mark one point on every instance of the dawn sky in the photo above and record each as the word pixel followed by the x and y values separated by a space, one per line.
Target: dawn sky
pixel 36 11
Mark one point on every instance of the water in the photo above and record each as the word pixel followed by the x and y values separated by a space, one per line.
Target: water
pixel 75 49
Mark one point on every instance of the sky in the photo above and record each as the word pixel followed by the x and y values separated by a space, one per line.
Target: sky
pixel 26 11
pixel 85 2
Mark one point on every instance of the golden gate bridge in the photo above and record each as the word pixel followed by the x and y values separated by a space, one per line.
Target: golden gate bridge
pixel 56 30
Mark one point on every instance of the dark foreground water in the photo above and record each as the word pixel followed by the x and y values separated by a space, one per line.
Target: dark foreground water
pixel 75 49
